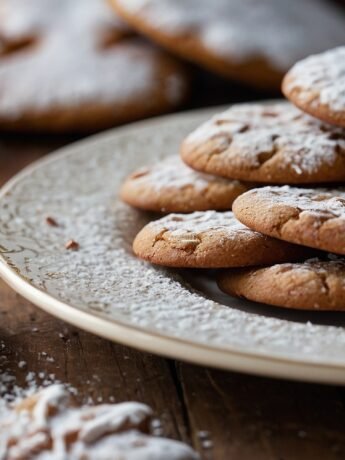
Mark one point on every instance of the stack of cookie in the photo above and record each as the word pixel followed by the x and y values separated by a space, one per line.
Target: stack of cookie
pixel 296 234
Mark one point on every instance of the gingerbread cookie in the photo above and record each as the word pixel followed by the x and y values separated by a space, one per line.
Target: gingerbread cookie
pixel 312 285
pixel 170 186
pixel 317 85
pixel 48 425
pixel 275 144
pixel 253 42
pixel 209 240
pixel 71 65
pixel 311 217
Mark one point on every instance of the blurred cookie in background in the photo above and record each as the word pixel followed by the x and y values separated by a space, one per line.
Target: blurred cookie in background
pixel 72 65
pixel 250 41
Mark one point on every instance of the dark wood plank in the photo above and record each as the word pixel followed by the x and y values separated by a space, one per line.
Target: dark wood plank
pixel 255 418
pixel 98 369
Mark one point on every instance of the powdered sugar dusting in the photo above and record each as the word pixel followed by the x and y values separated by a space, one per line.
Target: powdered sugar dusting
pixel 252 130
pixel 69 64
pixel 321 79
pixel 274 30
pixel 48 426
pixel 172 173
pixel 201 222
pixel 322 202
pixel 104 278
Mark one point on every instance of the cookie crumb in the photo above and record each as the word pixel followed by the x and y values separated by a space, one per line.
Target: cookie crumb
pixel 72 245
pixel 51 221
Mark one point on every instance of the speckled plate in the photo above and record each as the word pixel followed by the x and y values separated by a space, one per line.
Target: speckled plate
pixel 104 289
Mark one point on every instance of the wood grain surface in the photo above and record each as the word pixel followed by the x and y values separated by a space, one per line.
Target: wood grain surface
pixel 223 415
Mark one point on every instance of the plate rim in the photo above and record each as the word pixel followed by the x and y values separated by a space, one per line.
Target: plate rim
pixel 145 339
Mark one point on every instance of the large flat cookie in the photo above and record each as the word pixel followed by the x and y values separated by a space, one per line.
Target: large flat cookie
pixel 311 217
pixel 312 285
pixel 171 186
pixel 275 144
pixel 317 85
pixel 253 41
pixel 209 240
pixel 71 65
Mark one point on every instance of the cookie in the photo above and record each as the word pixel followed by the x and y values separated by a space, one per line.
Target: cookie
pixel 49 425
pixel 317 85
pixel 311 285
pixel 253 42
pixel 310 217
pixel 267 143
pixel 71 65
pixel 170 186
pixel 209 240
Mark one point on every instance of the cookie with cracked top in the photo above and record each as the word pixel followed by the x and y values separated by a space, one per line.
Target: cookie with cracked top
pixel 317 85
pixel 311 285
pixel 171 186
pixel 210 240
pixel 267 143
pixel 234 37
pixel 310 217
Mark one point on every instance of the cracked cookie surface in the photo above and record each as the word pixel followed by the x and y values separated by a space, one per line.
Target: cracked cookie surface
pixel 317 85
pixel 312 285
pixel 310 217
pixel 209 240
pixel 171 186
pixel 272 144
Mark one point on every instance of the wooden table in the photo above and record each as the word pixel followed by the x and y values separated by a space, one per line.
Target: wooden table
pixel 224 415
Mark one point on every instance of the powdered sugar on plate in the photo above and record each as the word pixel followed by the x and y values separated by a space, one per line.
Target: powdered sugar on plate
pixel 103 278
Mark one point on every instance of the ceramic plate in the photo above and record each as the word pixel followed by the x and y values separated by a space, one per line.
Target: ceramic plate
pixel 104 289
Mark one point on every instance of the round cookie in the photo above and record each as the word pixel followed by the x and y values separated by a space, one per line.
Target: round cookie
pixel 170 186
pixel 267 143
pixel 312 285
pixel 71 65
pixel 310 217
pixel 317 85
pixel 253 42
pixel 209 240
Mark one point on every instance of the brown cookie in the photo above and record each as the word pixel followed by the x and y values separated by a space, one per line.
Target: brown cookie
pixel 71 65
pixel 317 85
pixel 312 285
pixel 275 144
pixel 253 42
pixel 170 186
pixel 310 217
pixel 48 424
pixel 209 240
